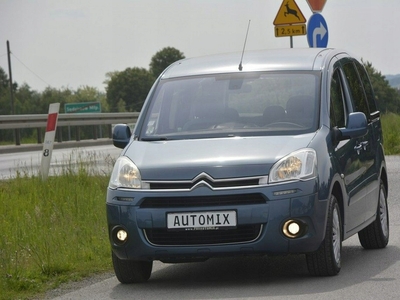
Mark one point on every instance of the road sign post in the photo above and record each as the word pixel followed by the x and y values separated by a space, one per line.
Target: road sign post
pixel 49 139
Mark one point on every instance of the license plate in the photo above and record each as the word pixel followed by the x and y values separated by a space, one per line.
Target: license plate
pixel 202 220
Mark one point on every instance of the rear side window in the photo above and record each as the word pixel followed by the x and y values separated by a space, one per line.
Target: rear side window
pixel 356 88
pixel 367 87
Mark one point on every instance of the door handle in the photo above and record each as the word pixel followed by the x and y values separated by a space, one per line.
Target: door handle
pixel 358 148
pixel 364 145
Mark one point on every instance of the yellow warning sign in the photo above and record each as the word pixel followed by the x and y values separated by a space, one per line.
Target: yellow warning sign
pixel 289 13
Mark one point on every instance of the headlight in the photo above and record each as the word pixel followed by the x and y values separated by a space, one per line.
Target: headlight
pixel 298 165
pixel 125 174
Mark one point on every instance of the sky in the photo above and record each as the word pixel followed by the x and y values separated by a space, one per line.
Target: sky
pixel 72 44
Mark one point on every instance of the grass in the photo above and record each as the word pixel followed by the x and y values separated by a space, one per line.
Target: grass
pixel 52 231
pixel 391 137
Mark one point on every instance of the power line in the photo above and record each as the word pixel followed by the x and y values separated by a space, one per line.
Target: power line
pixel 30 69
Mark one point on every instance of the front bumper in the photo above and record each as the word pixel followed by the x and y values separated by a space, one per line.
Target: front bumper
pixel 261 213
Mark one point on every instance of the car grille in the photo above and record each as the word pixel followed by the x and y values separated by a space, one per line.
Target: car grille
pixel 171 202
pixel 213 183
pixel 241 234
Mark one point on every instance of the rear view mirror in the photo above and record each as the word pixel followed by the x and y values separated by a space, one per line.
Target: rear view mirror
pixel 121 135
pixel 357 126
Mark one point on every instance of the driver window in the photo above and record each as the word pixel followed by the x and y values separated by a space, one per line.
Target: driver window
pixel 338 111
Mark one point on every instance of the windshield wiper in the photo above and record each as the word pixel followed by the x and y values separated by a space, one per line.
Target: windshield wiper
pixel 154 138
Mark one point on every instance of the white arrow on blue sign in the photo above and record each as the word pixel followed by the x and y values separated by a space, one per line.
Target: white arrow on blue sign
pixel 317 31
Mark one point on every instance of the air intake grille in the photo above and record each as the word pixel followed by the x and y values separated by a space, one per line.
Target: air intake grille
pixel 241 234
pixel 170 202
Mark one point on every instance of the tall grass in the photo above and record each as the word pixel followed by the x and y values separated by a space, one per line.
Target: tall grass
pixel 52 231
pixel 391 136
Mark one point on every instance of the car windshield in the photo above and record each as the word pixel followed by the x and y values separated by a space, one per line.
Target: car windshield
pixel 226 105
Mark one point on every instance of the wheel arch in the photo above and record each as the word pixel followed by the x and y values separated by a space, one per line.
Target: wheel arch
pixel 337 191
pixel 384 178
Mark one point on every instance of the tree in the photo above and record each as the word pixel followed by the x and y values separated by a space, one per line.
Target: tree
pixel 163 58
pixel 5 104
pixel 53 95
pixel 5 100
pixel 89 94
pixel 387 98
pixel 27 101
pixel 3 80
pixel 131 86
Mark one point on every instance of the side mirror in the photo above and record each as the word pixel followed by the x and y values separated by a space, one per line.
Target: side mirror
pixel 357 126
pixel 121 135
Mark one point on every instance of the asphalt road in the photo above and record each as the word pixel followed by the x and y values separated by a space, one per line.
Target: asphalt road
pixel 28 162
pixel 373 274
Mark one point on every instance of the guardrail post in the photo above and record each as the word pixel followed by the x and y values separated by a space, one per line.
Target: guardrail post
pixel 78 134
pixel 39 135
pixel 95 132
pixel 59 135
pixel 17 137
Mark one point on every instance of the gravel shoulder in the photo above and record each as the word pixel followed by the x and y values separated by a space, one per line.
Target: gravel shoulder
pixel 71 286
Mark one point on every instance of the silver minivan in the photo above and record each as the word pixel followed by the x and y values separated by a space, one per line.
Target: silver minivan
pixel 283 155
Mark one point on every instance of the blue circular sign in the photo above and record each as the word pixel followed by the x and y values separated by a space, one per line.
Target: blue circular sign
pixel 317 31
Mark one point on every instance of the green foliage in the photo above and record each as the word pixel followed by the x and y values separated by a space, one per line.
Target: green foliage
pixel 28 101
pixel 163 58
pixel 130 86
pixel 5 103
pixel 391 137
pixel 126 91
pixel 52 231
pixel 387 98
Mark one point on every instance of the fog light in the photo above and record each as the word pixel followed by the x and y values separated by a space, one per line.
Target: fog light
pixel 294 229
pixel 122 235
pixel 119 235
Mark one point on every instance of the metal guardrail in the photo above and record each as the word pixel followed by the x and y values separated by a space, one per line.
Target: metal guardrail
pixel 39 121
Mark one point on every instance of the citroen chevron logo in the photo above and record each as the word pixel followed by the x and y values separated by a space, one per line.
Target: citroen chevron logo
pixel 202 180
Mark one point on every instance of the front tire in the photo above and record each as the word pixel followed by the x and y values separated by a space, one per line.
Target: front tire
pixel 376 235
pixel 326 261
pixel 128 271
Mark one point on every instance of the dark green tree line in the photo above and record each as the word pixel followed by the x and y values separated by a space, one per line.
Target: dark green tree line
pixel 127 90
pixel 387 97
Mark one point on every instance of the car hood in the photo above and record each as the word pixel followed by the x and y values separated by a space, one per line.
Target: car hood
pixel 220 158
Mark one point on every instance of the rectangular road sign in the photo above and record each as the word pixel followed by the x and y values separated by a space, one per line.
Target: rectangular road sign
pixel 290 30
pixel 82 107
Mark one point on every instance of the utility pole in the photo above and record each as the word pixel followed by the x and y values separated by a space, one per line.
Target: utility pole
pixel 17 137
pixel 11 81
